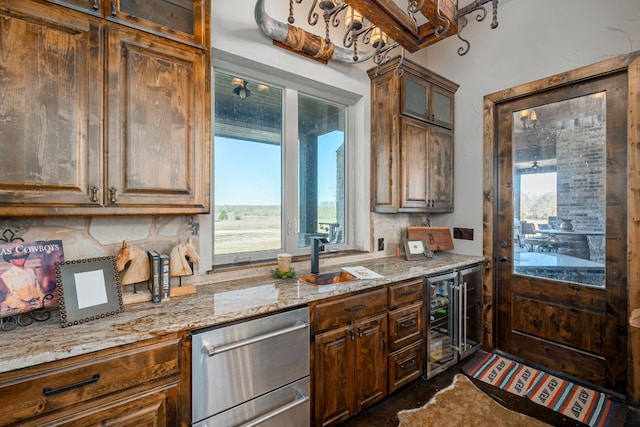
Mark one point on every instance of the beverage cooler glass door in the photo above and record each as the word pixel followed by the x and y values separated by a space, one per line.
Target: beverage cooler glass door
pixel 443 323
pixel 471 310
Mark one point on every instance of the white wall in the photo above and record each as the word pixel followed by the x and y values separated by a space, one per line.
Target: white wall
pixel 534 39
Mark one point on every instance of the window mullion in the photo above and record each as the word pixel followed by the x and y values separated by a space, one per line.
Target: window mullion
pixel 290 173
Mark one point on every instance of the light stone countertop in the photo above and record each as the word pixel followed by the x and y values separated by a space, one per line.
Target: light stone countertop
pixel 213 304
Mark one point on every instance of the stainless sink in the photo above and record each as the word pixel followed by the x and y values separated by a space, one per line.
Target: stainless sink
pixel 328 278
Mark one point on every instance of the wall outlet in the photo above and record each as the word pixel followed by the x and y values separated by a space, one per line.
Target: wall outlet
pixel 381 244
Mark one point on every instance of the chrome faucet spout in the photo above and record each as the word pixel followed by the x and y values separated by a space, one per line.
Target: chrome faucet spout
pixel 317 246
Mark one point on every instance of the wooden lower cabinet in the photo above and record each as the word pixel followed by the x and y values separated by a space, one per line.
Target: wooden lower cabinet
pixel 137 384
pixel 350 360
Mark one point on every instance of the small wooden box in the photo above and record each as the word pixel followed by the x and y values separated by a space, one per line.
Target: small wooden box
pixel 437 238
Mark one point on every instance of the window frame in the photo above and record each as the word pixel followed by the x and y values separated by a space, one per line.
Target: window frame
pixel 291 87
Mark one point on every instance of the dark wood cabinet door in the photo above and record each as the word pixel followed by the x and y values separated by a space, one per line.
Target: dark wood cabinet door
pixel 157 132
pixel 440 170
pixel 370 361
pixel 384 145
pixel 50 91
pixel 414 139
pixel 334 376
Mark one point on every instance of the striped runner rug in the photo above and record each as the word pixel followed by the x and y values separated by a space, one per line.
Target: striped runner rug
pixel 585 405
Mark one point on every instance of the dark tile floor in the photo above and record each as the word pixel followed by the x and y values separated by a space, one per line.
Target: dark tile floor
pixel 416 394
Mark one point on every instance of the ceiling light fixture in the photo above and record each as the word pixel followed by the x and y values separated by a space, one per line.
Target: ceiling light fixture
pixel 380 24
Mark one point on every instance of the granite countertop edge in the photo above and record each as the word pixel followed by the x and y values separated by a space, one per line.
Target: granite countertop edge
pixel 213 304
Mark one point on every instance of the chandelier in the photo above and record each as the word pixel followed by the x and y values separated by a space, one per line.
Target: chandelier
pixel 372 28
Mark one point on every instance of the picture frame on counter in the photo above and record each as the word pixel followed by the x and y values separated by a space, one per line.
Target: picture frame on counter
pixel 88 289
pixel 416 249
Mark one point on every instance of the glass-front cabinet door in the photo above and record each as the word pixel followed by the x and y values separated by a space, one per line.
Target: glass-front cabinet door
pixel 181 21
pixel 426 101
pixel 415 97
pixel 441 108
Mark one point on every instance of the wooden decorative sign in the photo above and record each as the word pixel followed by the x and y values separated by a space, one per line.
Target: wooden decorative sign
pixel 437 238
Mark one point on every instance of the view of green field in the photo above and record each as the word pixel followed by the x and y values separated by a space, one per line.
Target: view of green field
pixel 246 228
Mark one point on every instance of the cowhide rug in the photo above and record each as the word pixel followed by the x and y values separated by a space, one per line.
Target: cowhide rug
pixel 462 404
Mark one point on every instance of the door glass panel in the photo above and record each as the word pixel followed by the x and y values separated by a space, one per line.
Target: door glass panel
pixel 559 190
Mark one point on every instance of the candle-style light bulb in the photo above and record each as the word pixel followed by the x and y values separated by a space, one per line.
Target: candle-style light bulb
pixel 353 19
pixel 378 38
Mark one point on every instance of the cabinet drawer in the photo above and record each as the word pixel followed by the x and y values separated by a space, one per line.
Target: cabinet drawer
pixel 405 325
pixel 345 310
pixel 406 365
pixel 404 293
pixel 84 379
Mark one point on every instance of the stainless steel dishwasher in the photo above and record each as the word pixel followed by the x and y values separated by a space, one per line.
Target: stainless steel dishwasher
pixel 252 373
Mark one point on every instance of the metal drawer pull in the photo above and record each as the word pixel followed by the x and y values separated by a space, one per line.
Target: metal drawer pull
pixel 410 323
pixel 261 419
pixel 356 308
pixel 48 391
pixel 211 351
pixel 405 293
pixel 408 364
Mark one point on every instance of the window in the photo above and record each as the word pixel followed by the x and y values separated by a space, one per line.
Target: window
pixel 280 157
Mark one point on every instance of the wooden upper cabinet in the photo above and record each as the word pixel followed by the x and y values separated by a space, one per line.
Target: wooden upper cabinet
pixel 181 20
pixel 98 118
pixel 156 130
pixel 411 139
pixel 50 94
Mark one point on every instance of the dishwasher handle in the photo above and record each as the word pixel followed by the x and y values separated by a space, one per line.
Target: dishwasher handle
pixel 300 399
pixel 212 351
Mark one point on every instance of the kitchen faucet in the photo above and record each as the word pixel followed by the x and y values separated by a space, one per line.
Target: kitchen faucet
pixel 317 246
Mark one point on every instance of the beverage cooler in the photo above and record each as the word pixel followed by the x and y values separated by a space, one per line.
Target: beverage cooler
pixel 454 316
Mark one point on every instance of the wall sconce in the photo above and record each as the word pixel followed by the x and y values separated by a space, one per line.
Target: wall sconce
pixel 526 116
pixel 240 90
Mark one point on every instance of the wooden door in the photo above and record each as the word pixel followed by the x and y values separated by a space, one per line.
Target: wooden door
pixel 370 361
pixel 440 170
pixel 157 129
pixel 565 317
pixel 50 94
pixel 334 376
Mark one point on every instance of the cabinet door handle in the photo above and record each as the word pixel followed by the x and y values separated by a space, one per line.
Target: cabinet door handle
pixel 94 194
pixel 408 364
pixel 356 308
pixel 114 8
pixel 95 4
pixel 409 323
pixel 352 336
pixel 112 194
pixel 359 331
pixel 48 391
pixel 405 293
